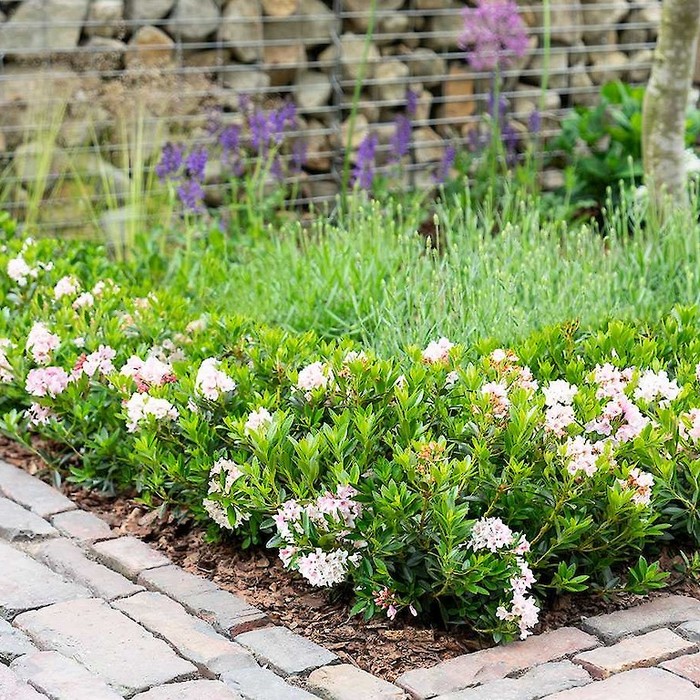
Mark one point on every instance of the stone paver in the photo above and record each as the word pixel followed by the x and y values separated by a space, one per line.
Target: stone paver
pixel 14 688
pixel 644 650
pixel 690 630
pixel 106 642
pixel 175 582
pixel 498 662
pixel 638 684
pixel 656 613
pixel 191 690
pixel 31 492
pixel 535 683
pixel 229 613
pixel 82 526
pixel 67 559
pixel 18 523
pixel 61 678
pixel 25 584
pixel 263 684
pixel 286 652
pixel 128 555
pixel 687 666
pixel 193 638
pixel 13 643
pixel 347 682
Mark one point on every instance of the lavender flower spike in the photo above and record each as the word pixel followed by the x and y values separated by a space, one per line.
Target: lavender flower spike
pixel 170 161
pixel 494 34
pixel 363 173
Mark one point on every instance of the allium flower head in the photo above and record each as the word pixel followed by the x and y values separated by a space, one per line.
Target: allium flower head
pixel 494 34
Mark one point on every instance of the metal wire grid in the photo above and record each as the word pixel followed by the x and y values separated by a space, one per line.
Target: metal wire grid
pixel 184 78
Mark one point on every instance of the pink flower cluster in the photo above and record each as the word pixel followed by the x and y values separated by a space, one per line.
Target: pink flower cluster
pixel 99 361
pixel 214 507
pixel 41 343
pixel 611 381
pixel 38 414
pixel 47 381
pixel 583 455
pixel 640 483
pixel 212 382
pixel 312 377
pixel 19 271
pixel 321 568
pixel 257 420
pixel 387 600
pixel 437 351
pixel 656 385
pixel 625 414
pixel 693 417
pixel 492 534
pixel 141 405
pixel 149 372
pixel 558 397
pixel 6 375
pixel 67 286
pixel 498 397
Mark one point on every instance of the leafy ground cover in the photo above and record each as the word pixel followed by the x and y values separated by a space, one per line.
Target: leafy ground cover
pixel 466 483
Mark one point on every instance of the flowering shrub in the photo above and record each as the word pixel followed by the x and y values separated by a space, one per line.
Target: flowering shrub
pixel 433 483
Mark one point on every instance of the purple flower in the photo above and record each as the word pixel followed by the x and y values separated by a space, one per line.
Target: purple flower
pixel 276 169
pixel 170 160
pixel 260 133
pixel 502 107
pixel 494 34
pixel 510 143
pixel 411 102
pixel 196 163
pixel 230 138
pixel 298 155
pixel 401 138
pixel 191 195
pixel 534 123
pixel 363 172
pixel 442 171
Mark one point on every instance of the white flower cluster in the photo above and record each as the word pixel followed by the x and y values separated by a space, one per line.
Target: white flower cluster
pixel 6 375
pixel 212 382
pixel 67 286
pixel 498 397
pixel 257 420
pixel 558 397
pixel 214 507
pixel 141 405
pixel 19 271
pixel 437 351
pixel 41 343
pixel 312 377
pixel 656 385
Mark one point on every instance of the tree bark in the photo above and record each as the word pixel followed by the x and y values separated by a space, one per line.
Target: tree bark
pixel 665 104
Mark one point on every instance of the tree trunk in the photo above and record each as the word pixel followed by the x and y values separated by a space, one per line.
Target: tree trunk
pixel 665 104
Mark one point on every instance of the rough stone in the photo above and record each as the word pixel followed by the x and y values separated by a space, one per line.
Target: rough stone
pixel 61 678
pixel 390 81
pixel 645 650
pixel 26 584
pixel 193 638
pixel 427 66
pixel 352 48
pixel 43 26
pixel 443 28
pixel 106 19
pixel 312 89
pixel 599 15
pixel 280 8
pixel 263 684
pixel 283 62
pixel 690 630
pixel 244 81
pixel 672 610
pixel 607 66
pixel 148 10
pixel 458 103
pixel 106 642
pixel 566 22
pixel 362 10
pixel 13 643
pixel 558 78
pixel 429 146
pixel 638 684
pixel 286 652
pixel 14 688
pixel 347 682
pixel 105 55
pixel 32 493
pixel 79 524
pixel 67 559
pixel 175 582
pixel 16 523
pixel 538 682
pixel 150 47
pixel 498 662
pixel 190 690
pixel 194 20
pixel 242 29
pixel 128 555
pixel 685 666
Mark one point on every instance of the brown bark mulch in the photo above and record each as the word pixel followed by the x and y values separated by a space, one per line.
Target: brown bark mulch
pixel 379 646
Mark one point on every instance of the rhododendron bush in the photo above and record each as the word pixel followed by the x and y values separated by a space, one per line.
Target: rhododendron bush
pixel 469 483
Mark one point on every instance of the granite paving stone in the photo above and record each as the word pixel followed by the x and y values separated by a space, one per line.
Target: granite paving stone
pixel 27 490
pixel 690 630
pixel 191 690
pixel 228 613
pixel 13 643
pixel 175 582
pixel 637 684
pixel 347 682
pixel 263 684
pixel 61 678
pixel 128 555
pixel 659 612
pixel 535 683
pixel 646 649
pixel 82 526
pixel 18 523
pixel 498 662
pixel 106 642
pixel 286 652
pixel 193 638
pixel 26 584
pixel 687 666
pixel 69 560
pixel 14 688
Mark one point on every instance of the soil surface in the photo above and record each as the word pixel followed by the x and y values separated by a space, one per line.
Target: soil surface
pixel 381 647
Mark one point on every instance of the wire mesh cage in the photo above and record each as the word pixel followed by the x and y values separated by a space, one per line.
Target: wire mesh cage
pixel 90 90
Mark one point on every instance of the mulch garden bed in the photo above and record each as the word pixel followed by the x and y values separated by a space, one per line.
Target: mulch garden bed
pixel 381 647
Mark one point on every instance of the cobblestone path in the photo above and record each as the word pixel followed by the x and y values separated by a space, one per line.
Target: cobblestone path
pixel 88 615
